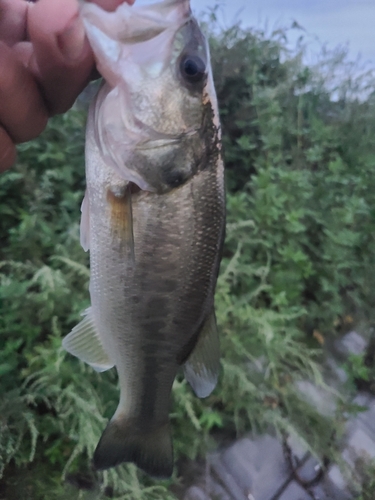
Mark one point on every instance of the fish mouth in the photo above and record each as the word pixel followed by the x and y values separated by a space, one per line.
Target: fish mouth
pixel 165 141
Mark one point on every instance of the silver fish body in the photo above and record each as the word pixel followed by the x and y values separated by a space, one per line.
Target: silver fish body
pixel 153 218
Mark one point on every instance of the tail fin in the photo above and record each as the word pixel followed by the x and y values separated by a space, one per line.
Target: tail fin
pixel 124 441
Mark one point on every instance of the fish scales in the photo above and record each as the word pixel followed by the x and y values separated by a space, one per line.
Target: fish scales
pixel 154 223
pixel 175 243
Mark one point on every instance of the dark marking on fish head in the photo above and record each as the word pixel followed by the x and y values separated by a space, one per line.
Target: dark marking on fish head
pixel 174 178
pixel 210 131
pixel 170 166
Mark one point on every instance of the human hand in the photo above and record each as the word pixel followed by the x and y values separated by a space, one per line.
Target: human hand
pixel 45 62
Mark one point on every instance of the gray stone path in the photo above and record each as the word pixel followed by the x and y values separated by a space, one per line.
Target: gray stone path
pixel 257 468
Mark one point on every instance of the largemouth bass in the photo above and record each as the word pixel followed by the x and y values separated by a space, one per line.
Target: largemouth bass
pixel 153 220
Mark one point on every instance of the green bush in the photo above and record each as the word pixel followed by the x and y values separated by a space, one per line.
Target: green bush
pixel 298 258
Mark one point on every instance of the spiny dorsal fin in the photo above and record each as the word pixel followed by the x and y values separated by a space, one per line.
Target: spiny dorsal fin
pixel 202 367
pixel 84 343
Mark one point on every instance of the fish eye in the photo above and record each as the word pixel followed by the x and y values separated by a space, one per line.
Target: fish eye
pixel 193 68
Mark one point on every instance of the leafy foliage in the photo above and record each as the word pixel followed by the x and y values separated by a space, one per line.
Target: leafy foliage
pixel 300 155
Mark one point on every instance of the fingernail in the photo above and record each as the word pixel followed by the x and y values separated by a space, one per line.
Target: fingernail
pixel 71 41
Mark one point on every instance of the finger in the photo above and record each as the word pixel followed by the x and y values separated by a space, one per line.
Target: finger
pixel 62 59
pixel 22 111
pixel 7 151
pixel 12 21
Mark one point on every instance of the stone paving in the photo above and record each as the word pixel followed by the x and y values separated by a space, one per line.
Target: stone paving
pixel 263 468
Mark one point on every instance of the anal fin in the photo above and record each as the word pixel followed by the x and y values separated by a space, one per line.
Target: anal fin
pixel 84 343
pixel 203 365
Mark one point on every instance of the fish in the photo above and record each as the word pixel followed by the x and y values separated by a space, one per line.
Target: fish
pixel 153 219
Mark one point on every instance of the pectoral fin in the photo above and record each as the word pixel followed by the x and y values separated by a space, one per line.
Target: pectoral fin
pixel 122 220
pixel 202 367
pixel 85 224
pixel 84 343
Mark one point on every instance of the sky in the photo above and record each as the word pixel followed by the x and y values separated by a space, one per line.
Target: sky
pixel 336 22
